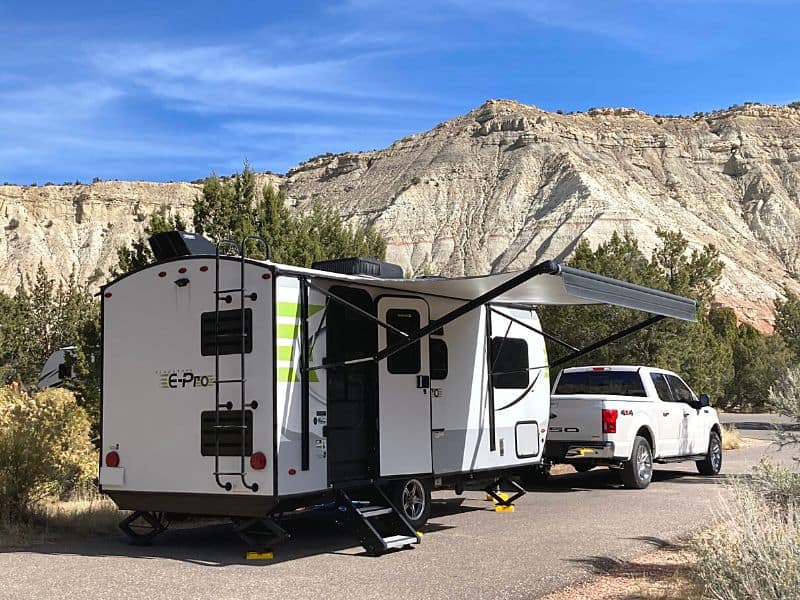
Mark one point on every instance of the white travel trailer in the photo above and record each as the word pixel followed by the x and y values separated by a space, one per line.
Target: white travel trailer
pixel 55 369
pixel 245 388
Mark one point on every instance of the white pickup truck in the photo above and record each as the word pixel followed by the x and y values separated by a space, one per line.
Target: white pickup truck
pixel 629 417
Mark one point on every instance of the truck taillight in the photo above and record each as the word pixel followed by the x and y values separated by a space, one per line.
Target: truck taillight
pixel 610 420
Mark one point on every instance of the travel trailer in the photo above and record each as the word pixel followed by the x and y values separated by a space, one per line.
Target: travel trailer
pixel 245 388
pixel 55 369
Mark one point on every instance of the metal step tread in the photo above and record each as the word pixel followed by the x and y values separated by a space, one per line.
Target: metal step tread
pixel 398 541
pixel 374 511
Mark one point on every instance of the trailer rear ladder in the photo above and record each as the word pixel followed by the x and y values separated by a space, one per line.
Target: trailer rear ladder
pixel 242 427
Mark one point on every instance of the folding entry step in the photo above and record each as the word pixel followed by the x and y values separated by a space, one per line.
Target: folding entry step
pixel 379 526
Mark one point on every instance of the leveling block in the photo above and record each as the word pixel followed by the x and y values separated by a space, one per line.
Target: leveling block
pixel 500 507
pixel 259 556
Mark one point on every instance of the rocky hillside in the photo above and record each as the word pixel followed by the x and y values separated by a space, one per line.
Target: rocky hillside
pixel 502 187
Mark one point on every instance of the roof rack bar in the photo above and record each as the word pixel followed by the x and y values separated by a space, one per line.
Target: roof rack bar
pixel 355 308
pixel 543 333
pixel 546 268
pixel 605 341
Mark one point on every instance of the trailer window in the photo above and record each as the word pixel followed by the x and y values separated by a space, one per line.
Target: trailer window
pixel 229 334
pixel 603 383
pixel 408 360
pixel 438 359
pixel 510 363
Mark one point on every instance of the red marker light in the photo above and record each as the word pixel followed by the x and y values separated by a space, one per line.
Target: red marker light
pixel 266 276
pixel 162 274
pixel 258 460
pixel 598 368
pixel 112 459
pixel 204 268
pixel 182 270
pixel 107 295
pixel 292 472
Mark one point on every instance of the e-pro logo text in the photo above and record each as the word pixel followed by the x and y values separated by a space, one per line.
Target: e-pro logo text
pixel 183 379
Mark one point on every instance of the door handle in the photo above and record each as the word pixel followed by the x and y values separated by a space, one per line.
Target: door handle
pixel 685 415
pixel 423 382
pixel 665 414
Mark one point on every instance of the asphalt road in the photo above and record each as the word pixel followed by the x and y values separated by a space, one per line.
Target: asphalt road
pixel 558 535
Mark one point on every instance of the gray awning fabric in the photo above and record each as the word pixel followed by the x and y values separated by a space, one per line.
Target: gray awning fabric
pixel 554 284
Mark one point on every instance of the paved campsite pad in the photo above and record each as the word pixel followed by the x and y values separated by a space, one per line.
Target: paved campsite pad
pixel 557 536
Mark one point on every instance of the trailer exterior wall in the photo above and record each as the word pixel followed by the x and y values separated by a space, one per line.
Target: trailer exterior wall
pixel 156 383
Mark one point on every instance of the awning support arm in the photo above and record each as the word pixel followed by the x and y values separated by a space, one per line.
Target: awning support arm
pixel 610 339
pixel 545 268
pixel 544 334
pixel 355 308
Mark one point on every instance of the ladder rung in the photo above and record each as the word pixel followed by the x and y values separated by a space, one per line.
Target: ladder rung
pixel 229 290
pixel 231 380
pixel 237 473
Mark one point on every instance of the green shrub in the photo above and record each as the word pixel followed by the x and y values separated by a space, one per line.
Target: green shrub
pixel 755 552
pixel 45 449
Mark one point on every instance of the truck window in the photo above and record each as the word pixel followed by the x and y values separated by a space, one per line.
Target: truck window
pixel 604 383
pixel 680 390
pixel 662 387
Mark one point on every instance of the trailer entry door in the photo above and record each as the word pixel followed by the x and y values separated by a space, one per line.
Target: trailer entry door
pixel 352 390
pixel 404 404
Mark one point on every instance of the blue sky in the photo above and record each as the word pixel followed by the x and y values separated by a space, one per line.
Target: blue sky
pixel 171 91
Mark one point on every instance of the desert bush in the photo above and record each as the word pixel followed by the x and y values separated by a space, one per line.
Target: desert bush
pixel 45 449
pixel 755 552
pixel 731 440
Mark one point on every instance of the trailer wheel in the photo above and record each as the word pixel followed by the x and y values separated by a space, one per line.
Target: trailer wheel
pixel 712 463
pixel 638 471
pixel 413 498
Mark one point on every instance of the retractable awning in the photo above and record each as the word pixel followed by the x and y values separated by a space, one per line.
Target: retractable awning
pixel 548 283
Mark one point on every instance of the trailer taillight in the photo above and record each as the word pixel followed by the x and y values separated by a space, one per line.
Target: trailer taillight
pixel 258 461
pixel 610 420
pixel 112 459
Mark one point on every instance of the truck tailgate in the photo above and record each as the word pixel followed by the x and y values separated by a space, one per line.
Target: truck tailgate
pixel 576 418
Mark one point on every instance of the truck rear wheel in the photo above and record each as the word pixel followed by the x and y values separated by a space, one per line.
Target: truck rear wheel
pixel 712 463
pixel 638 471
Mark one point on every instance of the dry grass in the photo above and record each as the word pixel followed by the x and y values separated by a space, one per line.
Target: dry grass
pixel 52 520
pixel 731 440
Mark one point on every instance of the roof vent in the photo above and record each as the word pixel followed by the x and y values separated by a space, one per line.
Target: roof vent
pixel 360 266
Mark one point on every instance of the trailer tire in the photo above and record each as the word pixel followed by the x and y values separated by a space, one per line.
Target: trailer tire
pixel 413 498
pixel 584 466
pixel 712 463
pixel 638 471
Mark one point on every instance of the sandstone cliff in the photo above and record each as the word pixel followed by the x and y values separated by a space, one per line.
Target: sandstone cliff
pixel 504 186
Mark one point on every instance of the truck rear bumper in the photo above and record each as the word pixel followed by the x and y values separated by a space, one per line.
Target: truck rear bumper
pixel 572 451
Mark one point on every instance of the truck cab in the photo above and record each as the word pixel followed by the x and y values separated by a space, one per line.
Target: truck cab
pixel 628 417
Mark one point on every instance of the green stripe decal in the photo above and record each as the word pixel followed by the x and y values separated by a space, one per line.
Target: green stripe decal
pixel 292 309
pixel 289 374
pixel 285 353
pixel 287 332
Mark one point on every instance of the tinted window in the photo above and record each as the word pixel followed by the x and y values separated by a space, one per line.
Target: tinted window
pixel 438 359
pixel 510 363
pixel 662 389
pixel 680 391
pixel 407 361
pixel 611 383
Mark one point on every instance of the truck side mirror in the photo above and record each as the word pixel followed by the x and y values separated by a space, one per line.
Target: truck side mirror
pixel 704 400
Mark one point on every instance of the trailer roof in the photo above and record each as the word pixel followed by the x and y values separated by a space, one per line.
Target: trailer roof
pixel 548 283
